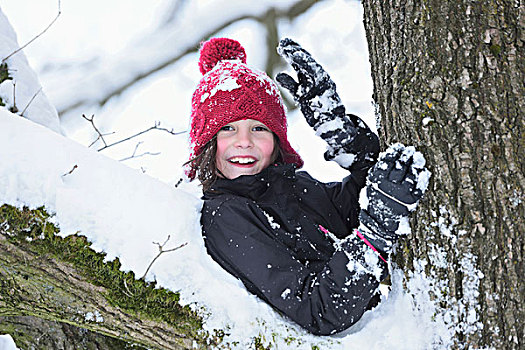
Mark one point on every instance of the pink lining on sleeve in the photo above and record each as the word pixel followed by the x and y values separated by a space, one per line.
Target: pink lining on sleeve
pixel 360 235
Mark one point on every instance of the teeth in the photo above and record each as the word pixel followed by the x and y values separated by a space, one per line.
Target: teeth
pixel 242 160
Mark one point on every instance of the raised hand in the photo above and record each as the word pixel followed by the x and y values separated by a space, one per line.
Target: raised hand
pixel 315 92
pixel 350 142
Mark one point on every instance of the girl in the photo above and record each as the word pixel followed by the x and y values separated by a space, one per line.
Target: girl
pixel 289 238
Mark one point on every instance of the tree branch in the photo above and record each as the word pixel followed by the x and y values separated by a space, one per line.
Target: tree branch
pixel 31 101
pixel 71 171
pixel 161 251
pixel 36 37
pixel 100 135
pixel 140 71
pixel 106 145
pixel 134 155
pixel 155 127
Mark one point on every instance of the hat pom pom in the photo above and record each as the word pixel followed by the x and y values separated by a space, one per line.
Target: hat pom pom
pixel 219 49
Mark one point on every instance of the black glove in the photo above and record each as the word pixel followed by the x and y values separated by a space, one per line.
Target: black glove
pixel 350 142
pixel 394 186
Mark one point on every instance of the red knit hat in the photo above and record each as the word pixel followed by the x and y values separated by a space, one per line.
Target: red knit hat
pixel 232 91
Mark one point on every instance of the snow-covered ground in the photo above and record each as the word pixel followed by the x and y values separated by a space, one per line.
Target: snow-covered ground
pixel 123 211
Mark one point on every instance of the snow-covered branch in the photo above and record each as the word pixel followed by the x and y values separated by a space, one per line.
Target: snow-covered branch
pixel 98 80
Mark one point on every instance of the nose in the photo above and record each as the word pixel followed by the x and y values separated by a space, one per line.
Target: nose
pixel 244 138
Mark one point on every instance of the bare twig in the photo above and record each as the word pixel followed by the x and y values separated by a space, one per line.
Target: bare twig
pixel 69 172
pixel 141 155
pixel 106 145
pixel 129 294
pixel 135 155
pixel 161 250
pixel 14 108
pixel 31 101
pixel 179 182
pixel 155 127
pixel 100 135
pixel 37 36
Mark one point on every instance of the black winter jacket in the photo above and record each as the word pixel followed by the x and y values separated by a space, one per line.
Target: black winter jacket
pixel 264 230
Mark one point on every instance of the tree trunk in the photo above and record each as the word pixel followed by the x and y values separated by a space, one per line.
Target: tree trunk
pixel 449 79
pixel 57 293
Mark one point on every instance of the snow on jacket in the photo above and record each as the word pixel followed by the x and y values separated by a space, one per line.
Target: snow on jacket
pixel 265 230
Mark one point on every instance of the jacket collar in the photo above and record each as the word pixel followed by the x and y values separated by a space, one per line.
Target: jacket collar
pixel 252 186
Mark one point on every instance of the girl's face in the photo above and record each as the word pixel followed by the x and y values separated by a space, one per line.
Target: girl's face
pixel 244 147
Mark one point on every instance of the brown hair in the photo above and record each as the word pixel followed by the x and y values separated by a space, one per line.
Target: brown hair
pixel 205 165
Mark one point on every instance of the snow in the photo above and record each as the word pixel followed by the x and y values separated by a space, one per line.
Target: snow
pixel 329 126
pixel 224 77
pixel 445 222
pixel 345 160
pixel 404 227
pixel 7 343
pixel 24 91
pixel 372 265
pixel 516 198
pixel 271 221
pixel 227 85
pixel 118 68
pixel 123 211
pixel 426 120
pixel 94 316
pixel 438 256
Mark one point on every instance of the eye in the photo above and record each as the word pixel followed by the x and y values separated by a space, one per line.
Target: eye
pixel 227 128
pixel 260 128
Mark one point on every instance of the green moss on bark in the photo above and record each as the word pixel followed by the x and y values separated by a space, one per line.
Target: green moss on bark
pixel 4 75
pixel 32 231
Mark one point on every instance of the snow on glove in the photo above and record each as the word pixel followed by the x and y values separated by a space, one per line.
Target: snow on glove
pixel 394 187
pixel 350 142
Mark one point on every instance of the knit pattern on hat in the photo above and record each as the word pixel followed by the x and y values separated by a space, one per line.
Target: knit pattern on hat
pixel 230 91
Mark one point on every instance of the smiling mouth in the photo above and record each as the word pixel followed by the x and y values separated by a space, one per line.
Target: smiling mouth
pixel 242 160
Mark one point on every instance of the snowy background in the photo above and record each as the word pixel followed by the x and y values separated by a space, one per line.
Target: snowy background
pixel 109 43
pixel 96 46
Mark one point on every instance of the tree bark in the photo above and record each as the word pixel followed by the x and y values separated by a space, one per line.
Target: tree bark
pixel 449 78
pixel 32 332
pixel 56 293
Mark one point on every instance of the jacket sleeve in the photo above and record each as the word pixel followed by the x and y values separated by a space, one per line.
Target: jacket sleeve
pixel 356 148
pixel 241 239
pixel 344 196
